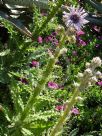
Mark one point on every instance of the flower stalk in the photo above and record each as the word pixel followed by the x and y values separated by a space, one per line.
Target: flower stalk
pixel 66 113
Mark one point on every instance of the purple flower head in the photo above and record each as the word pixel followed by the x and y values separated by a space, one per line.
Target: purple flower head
pixel 81 42
pixel 54 33
pixel 52 85
pixel 50 38
pixel 99 83
pixel 80 33
pixel 60 107
pixel 75 18
pixel 75 111
pixel 34 63
pixel 40 40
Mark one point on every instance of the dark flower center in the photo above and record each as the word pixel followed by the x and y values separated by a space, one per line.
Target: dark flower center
pixel 75 18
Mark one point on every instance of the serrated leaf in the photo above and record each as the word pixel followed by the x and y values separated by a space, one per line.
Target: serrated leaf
pixel 26 132
pixel 74 132
pixel 17 23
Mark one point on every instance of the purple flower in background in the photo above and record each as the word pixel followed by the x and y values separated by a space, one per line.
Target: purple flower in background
pixel 80 33
pixel 81 42
pixel 97 45
pixel 34 63
pixel 75 111
pixel 74 53
pixel 99 83
pixel 75 18
pixel 60 107
pixel 52 85
pixel 40 40
pixel 23 80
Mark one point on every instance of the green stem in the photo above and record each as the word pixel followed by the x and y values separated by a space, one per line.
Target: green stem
pixel 50 16
pixel 63 118
pixel 42 82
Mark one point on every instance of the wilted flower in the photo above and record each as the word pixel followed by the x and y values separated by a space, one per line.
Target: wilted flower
pixel 52 85
pixel 75 18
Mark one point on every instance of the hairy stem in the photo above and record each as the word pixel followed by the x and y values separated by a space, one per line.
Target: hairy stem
pixel 63 118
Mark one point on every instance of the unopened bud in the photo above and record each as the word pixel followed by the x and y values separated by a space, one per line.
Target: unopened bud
pixel 98 74
pixel 76 84
pixel 63 51
pixel 96 62
pixel 88 72
pixel 60 29
pixel 93 79
pixel 87 65
pixel 80 75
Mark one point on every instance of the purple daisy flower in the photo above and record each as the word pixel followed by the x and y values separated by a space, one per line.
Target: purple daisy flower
pixel 75 18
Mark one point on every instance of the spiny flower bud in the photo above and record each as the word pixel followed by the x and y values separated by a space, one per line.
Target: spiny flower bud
pixel 76 84
pixel 98 74
pixel 93 79
pixel 87 65
pixel 60 29
pixel 96 62
pixel 63 51
pixel 88 72
pixel 79 98
pixel 80 75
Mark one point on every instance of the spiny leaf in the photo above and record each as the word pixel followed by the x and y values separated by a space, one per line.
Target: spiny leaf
pixel 17 23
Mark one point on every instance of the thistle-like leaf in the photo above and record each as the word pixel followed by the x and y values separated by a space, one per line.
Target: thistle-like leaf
pixel 17 23
pixel 28 3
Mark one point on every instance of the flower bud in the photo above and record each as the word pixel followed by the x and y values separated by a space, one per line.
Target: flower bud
pixel 60 29
pixel 76 84
pixel 88 72
pixel 87 65
pixel 63 51
pixel 80 75
pixel 96 62
pixel 98 74
pixel 93 79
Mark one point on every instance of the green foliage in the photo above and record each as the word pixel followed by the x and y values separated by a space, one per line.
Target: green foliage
pixel 16 56
pixel 89 121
